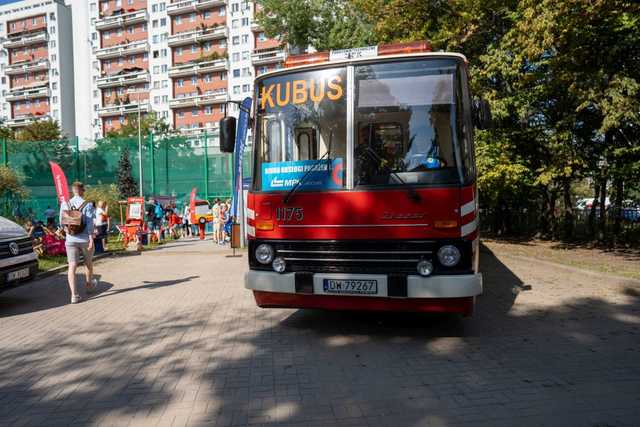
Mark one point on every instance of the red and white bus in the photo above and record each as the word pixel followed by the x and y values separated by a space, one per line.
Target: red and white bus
pixel 364 182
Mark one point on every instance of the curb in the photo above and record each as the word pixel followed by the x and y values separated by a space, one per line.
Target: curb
pixel 56 270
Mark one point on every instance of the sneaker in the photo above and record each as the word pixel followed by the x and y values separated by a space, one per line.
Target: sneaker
pixel 76 299
pixel 92 286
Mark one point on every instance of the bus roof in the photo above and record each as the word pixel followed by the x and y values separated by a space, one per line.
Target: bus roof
pixel 379 58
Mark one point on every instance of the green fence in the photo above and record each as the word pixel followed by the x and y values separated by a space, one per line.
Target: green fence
pixel 171 166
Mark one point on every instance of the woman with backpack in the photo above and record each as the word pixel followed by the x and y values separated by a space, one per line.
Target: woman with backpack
pixel 77 217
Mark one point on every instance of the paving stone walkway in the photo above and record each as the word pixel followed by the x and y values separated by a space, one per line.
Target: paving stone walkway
pixel 172 338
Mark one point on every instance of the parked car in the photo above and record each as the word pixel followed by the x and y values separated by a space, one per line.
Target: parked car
pixel 18 261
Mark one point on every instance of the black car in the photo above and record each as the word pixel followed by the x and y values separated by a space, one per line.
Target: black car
pixel 18 261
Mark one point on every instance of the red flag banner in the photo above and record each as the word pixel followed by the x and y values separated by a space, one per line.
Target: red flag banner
pixel 192 206
pixel 60 182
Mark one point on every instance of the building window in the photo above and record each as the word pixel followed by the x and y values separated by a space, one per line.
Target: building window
pixel 223 75
pixel 245 22
pixel 178 20
pixel 246 55
pixel 235 40
pixel 192 18
pixel 222 44
pixel 165 68
pixel 235 23
pixel 156 69
pixel 178 51
pixel 156 85
pixel 207 78
pixel 165 83
pixel 207 14
pixel 246 71
pixel 262 37
pixel 154 8
pixel 235 7
pixel 245 38
pixel 165 98
pixel 180 82
pixel 208 110
pixel 194 112
pixel 130 30
pixel 163 22
pixel 235 56
pixel 222 11
pixel 161 7
pixel 154 23
pixel 236 90
pixel 194 80
pixel 246 88
pixel 194 48
pixel 156 100
pixel 181 114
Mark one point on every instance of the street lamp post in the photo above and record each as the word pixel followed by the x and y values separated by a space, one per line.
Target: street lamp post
pixel 139 93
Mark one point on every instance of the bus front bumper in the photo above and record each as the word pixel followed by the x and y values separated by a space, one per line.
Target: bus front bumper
pixel 444 293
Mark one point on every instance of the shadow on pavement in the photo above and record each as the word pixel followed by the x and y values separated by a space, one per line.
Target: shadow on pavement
pixel 44 294
pixel 148 285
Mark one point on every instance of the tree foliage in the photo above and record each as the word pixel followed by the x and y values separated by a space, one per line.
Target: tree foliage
pixel 40 130
pixel 127 186
pixel 149 123
pixel 322 24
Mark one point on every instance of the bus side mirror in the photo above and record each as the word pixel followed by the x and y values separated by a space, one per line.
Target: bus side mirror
pixel 482 114
pixel 227 134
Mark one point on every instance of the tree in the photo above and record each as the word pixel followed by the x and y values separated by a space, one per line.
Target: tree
pixel 12 189
pixel 149 123
pixel 127 186
pixel 40 130
pixel 108 193
pixel 5 132
pixel 323 24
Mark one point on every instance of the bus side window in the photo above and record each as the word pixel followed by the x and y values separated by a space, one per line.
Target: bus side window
pixel 274 141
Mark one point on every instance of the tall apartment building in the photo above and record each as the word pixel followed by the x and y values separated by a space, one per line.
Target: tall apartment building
pixel 183 60
pixel 36 64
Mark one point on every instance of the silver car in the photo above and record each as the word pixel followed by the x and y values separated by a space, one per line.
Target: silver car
pixel 18 261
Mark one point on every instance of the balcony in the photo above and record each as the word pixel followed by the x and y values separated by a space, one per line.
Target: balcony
pixel 186 6
pixel 38 83
pixel 191 68
pixel 255 26
pixel 267 56
pixel 115 80
pixel 25 40
pixel 117 21
pixel 122 49
pixel 211 128
pixel 26 119
pixel 199 35
pixel 20 94
pixel 27 66
pixel 194 101
pixel 124 109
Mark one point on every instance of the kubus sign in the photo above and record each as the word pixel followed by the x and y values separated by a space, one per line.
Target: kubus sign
pixel 300 91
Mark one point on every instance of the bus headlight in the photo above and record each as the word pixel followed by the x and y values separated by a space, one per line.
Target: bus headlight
pixel 424 268
pixel 279 265
pixel 449 255
pixel 264 253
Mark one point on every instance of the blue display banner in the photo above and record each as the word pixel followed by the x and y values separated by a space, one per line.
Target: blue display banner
pixel 241 138
pixel 281 176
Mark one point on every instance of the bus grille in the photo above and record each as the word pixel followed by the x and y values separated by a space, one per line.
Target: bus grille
pixel 356 256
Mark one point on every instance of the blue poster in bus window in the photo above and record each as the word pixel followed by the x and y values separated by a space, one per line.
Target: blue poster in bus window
pixel 322 175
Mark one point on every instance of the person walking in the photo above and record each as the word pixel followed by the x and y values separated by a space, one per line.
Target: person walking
pixel 102 224
pixel 215 213
pixel 79 241
pixel 186 220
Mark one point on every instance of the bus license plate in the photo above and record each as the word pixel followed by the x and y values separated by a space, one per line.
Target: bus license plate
pixel 18 274
pixel 350 286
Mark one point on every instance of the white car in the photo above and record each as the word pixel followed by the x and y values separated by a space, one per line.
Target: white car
pixel 18 261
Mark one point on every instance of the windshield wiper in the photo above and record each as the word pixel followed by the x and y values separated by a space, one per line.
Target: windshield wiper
pixel 413 194
pixel 313 168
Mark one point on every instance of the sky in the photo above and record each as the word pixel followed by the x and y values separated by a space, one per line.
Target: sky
pixel 8 1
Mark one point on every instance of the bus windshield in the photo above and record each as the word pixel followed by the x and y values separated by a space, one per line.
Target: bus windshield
pixel 407 127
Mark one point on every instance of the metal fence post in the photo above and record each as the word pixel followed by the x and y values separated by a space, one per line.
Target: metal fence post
pixel 206 166
pixel 166 166
pixel 76 157
pixel 5 153
pixel 153 164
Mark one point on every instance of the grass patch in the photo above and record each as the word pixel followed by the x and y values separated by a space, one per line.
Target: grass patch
pixel 50 262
